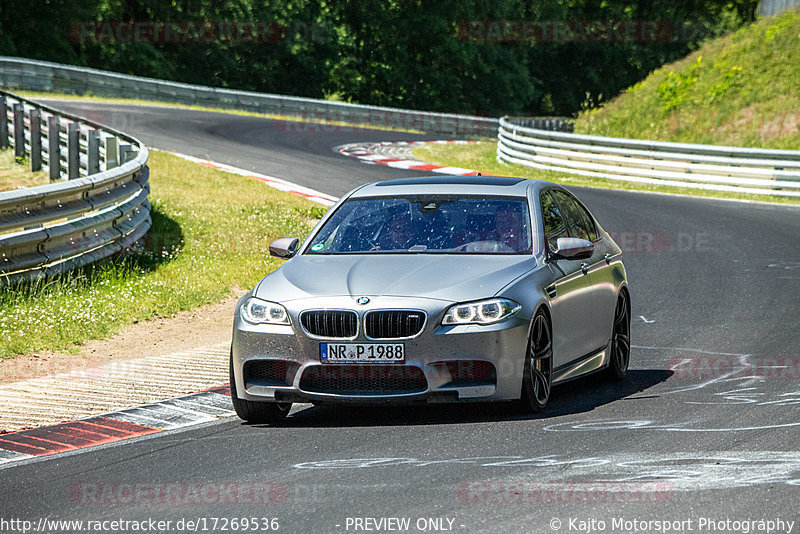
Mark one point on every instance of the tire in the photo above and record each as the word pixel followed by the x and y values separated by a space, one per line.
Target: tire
pixel 620 339
pixel 538 371
pixel 257 412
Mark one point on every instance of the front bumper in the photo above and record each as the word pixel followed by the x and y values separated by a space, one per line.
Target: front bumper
pixel 428 370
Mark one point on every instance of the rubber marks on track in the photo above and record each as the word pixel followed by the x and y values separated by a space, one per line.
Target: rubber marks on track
pixel 276 183
pixel 173 413
pixel 398 155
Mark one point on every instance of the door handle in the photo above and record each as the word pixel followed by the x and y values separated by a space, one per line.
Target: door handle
pixel 585 267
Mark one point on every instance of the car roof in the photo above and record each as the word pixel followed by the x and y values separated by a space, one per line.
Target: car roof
pixel 445 184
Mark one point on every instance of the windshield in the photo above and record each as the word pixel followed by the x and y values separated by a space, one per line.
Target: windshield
pixel 429 224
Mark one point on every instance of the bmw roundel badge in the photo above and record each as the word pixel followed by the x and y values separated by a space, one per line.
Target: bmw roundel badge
pixel 363 300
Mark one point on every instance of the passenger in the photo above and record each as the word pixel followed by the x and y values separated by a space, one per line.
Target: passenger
pixel 509 229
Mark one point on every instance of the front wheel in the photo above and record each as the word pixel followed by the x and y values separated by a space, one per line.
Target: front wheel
pixel 257 412
pixel 538 373
pixel 620 339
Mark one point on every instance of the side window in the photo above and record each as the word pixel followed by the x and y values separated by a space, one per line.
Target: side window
pixel 572 215
pixel 588 221
pixel 554 226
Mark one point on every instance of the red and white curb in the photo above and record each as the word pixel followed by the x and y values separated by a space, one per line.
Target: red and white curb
pixel 178 412
pixel 77 391
pixel 276 183
pixel 185 410
pixel 398 155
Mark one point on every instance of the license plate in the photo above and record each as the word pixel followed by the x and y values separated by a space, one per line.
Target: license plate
pixel 362 352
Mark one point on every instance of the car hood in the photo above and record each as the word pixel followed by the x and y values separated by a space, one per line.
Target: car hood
pixel 445 277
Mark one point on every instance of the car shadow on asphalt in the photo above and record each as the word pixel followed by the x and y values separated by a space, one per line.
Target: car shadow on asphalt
pixel 582 395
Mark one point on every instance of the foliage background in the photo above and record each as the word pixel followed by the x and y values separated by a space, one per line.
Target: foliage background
pixel 406 53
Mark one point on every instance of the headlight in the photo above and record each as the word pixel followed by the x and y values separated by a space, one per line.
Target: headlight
pixel 259 311
pixel 481 312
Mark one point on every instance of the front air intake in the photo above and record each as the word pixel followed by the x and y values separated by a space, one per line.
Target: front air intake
pixel 353 379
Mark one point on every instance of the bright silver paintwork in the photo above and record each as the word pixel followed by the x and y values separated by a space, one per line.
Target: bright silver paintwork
pixel 569 287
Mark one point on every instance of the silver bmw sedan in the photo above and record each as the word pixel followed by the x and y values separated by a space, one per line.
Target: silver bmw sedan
pixel 435 289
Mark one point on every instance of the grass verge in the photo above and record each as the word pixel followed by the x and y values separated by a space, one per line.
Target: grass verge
pixel 483 157
pixel 738 90
pixel 211 231
pixel 315 118
pixel 15 175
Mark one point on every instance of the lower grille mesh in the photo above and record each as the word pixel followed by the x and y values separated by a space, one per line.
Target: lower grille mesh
pixel 364 379
pixel 471 372
pixel 265 372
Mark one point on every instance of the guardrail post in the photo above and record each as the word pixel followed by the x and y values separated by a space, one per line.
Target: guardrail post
pixel 92 152
pixel 124 151
pixel 19 131
pixel 112 152
pixel 54 147
pixel 36 140
pixel 48 229
pixel 73 151
pixel 3 123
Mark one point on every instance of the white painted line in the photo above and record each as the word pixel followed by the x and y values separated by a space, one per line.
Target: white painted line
pixel 74 395
pixel 201 408
pixel 375 153
pixel 161 416
pixel 178 412
pixel 276 183
pixel 452 170
pixel 373 157
pixel 404 164
pixel 208 398
pixel 9 456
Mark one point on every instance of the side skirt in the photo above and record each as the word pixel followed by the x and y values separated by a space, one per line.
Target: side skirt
pixel 594 361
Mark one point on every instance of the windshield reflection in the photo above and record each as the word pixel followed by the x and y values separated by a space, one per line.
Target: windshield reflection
pixel 430 224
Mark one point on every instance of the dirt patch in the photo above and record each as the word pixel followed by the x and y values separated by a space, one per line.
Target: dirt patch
pixel 209 325
pixel 768 125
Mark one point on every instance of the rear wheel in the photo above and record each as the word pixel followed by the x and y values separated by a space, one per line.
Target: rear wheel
pixel 538 373
pixel 257 412
pixel 620 339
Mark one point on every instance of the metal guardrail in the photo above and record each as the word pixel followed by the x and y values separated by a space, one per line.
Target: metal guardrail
pixel 770 8
pixel 96 204
pixel 744 170
pixel 31 75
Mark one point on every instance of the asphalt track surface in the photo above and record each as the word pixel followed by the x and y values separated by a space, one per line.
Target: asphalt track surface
pixel 704 428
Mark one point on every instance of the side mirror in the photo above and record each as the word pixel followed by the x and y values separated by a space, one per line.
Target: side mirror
pixel 572 248
pixel 284 248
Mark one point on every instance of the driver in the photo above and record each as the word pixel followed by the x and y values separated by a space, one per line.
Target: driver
pixel 399 234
